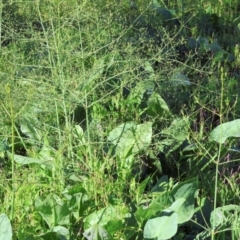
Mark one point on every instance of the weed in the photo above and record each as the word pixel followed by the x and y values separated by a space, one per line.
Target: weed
pixel 119 121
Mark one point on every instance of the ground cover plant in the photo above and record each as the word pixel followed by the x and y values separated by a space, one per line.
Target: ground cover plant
pixel 119 119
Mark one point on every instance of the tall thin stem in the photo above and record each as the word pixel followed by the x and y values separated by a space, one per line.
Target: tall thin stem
pixel 219 154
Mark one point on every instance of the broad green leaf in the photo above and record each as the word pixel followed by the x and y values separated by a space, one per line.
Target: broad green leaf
pixel 218 57
pixel 5 227
pixel 156 105
pixel 190 147
pixel 103 216
pixel 62 232
pixel 78 204
pixel 171 143
pixel 131 136
pixel 75 178
pixel 146 212
pixel 187 190
pixel 97 232
pixel 204 44
pixel 178 129
pixel 175 135
pixel 115 225
pixel 79 134
pixel 47 152
pixel 137 93
pixel 215 47
pixel 161 185
pixel 115 135
pixel 225 130
pixel 177 204
pixel 3 147
pixel 30 127
pixel 192 44
pixel 179 78
pixel 53 210
pixel 223 56
pixel 75 189
pixel 57 233
pixel 151 76
pixel 164 13
pixel 44 157
pixel 163 227
pixel 155 4
pixel 148 67
pixel 49 236
pixel 27 160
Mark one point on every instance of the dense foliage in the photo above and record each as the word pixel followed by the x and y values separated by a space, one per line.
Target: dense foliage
pixel 119 119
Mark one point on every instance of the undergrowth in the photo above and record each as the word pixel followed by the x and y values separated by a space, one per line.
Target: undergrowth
pixel 119 120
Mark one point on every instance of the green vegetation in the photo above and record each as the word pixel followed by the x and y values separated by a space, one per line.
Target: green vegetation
pixel 119 119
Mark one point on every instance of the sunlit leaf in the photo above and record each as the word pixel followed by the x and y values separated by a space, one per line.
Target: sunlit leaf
pixel 97 232
pixel 163 227
pixel 130 135
pixel 5 227
pixel 225 130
